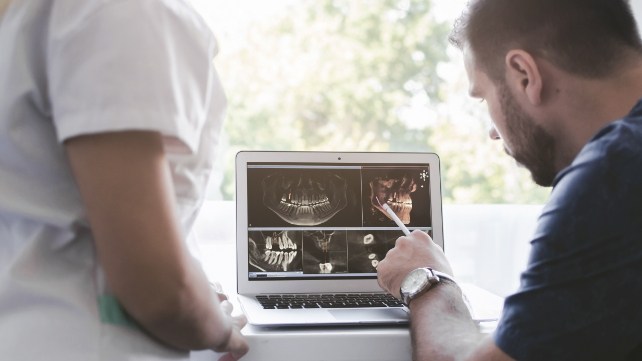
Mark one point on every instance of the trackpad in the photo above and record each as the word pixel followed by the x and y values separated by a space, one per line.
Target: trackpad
pixel 371 315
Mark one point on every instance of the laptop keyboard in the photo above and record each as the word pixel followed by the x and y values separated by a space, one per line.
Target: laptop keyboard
pixel 339 300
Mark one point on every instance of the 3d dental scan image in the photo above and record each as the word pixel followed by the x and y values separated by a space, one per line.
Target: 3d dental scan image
pixel 324 252
pixel 275 251
pixel 314 197
pixel 405 190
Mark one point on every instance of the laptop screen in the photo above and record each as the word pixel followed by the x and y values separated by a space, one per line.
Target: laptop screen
pixel 323 221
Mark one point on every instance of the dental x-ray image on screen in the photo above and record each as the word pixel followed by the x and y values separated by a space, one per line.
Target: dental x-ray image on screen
pixel 325 251
pixel 306 198
pixel 367 248
pixel 321 221
pixel 275 251
pixel 405 190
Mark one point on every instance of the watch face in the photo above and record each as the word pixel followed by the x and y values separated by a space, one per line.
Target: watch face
pixel 414 281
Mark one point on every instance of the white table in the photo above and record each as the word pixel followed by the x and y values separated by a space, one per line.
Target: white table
pixel 217 254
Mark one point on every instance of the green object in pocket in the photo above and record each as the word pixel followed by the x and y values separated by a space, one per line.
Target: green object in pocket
pixel 113 313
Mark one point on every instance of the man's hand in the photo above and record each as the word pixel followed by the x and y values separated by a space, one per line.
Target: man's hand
pixel 410 252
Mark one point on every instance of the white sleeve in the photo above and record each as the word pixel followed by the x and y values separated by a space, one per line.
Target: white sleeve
pixel 130 65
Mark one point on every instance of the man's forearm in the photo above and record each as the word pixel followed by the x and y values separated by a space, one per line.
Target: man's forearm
pixel 441 325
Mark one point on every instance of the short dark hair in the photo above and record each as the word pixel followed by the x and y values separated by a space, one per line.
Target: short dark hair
pixel 585 37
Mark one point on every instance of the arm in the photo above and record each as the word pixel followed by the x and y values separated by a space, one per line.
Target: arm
pixel 125 184
pixel 441 326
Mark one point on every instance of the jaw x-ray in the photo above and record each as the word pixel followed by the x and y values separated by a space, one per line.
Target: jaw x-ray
pixel 325 252
pixel 312 197
pixel 305 199
pixel 275 251
pixel 323 221
pixel 405 190
pixel 367 248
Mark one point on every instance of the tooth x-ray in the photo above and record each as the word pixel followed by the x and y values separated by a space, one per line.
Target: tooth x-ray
pixel 367 248
pixel 324 252
pixel 405 190
pixel 275 251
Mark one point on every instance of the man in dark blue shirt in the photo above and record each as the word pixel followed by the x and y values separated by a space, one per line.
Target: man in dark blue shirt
pixel 562 80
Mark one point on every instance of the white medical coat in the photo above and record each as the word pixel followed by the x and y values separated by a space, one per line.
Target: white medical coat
pixel 77 67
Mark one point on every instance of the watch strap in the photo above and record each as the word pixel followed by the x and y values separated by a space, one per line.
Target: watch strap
pixel 434 278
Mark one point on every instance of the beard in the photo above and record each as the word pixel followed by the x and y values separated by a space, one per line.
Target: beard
pixel 533 147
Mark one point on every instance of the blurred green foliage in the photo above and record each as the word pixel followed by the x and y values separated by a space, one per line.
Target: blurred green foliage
pixel 364 75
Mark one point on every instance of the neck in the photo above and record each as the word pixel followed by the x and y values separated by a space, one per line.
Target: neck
pixel 588 105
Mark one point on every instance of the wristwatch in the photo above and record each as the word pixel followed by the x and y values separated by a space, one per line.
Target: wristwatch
pixel 419 281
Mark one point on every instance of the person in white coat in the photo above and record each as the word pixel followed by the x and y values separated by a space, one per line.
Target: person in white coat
pixel 110 112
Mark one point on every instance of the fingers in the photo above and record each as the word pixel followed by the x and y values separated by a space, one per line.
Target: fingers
pixel 216 286
pixel 227 357
pixel 227 307
pixel 240 321
pixel 419 241
pixel 221 297
pixel 236 345
pixel 218 290
pixel 410 252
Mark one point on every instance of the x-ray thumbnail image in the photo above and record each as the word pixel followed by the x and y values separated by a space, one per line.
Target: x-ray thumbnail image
pixel 324 251
pixel 367 248
pixel 274 251
pixel 405 190
pixel 283 197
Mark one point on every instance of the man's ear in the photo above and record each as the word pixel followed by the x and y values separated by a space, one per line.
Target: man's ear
pixel 523 75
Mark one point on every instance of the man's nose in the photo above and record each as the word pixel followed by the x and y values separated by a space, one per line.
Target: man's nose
pixel 493 134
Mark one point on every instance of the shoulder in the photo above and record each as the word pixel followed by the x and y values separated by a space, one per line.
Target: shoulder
pixel 118 16
pixel 620 140
pixel 609 165
pixel 598 195
pixel 141 62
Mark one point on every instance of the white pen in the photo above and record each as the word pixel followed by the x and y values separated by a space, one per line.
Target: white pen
pixel 394 216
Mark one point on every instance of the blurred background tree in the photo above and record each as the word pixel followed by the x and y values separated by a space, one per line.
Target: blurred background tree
pixel 363 75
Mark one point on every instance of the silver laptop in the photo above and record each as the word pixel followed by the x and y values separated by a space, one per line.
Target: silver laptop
pixel 310 232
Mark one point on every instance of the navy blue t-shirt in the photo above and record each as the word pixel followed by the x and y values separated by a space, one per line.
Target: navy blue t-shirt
pixel 580 297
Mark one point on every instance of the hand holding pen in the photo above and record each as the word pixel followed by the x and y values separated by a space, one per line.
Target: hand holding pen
pixel 393 216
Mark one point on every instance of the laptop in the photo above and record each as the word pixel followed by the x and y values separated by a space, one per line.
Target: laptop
pixel 310 232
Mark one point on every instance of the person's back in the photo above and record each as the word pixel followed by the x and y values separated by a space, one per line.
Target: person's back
pixel 81 78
